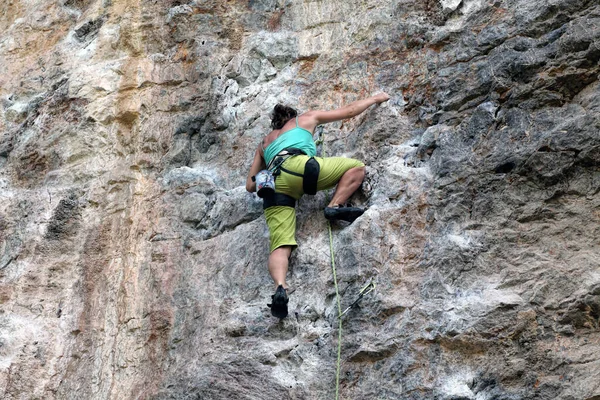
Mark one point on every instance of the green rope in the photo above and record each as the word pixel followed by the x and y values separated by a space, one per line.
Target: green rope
pixel 337 296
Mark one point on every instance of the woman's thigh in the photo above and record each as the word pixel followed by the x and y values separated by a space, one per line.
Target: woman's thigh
pixel 332 170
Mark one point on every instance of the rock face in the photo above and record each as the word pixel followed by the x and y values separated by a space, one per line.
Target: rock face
pixel 133 261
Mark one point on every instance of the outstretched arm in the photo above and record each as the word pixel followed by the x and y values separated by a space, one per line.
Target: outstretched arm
pixel 258 164
pixel 311 119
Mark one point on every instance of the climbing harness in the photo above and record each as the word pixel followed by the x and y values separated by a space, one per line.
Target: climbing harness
pixel 311 170
pixel 265 179
pixel 278 199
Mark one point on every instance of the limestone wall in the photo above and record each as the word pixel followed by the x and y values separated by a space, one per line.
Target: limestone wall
pixel 133 261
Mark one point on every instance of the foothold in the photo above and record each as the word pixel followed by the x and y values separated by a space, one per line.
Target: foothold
pixel 505 168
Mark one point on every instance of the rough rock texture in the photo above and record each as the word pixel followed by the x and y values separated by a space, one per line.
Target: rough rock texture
pixel 133 262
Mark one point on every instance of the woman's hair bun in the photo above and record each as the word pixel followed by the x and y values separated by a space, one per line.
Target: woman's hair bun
pixel 282 114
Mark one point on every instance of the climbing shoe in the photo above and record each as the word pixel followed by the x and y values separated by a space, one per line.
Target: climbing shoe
pixel 279 307
pixel 348 214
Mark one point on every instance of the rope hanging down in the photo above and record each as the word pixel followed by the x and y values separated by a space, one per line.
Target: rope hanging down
pixel 368 288
pixel 337 296
pixel 337 293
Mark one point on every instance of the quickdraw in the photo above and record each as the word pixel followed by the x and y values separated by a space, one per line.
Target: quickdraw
pixel 363 292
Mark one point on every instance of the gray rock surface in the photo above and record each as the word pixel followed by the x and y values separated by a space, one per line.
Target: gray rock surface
pixel 133 262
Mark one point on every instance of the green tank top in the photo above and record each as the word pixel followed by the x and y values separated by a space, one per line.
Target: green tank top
pixel 298 138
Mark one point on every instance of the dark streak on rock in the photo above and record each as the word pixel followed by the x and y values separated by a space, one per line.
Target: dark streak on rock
pixel 89 30
pixel 65 219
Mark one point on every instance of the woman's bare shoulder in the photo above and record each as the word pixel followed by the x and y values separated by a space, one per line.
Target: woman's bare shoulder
pixel 308 120
pixel 270 137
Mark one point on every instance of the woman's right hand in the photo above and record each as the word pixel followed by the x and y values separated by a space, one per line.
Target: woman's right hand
pixel 381 97
pixel 311 119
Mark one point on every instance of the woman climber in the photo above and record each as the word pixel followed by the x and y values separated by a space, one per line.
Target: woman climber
pixel 288 153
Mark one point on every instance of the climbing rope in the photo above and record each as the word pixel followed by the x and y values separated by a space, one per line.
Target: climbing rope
pixel 337 296
pixel 337 293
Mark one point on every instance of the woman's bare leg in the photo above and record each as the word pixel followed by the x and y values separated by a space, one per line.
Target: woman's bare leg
pixel 347 185
pixel 278 265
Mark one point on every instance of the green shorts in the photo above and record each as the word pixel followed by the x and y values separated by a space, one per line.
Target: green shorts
pixel 281 220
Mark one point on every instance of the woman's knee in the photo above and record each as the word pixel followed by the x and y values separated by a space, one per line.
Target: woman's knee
pixel 282 251
pixel 357 173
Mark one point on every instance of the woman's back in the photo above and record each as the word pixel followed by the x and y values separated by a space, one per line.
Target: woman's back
pixel 274 134
pixel 291 135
